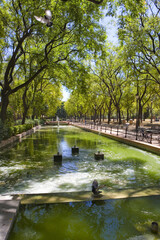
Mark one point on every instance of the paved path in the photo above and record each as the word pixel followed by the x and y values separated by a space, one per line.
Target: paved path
pixel 8 211
pixel 154 147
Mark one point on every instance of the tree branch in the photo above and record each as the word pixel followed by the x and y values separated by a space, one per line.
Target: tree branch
pixel 12 62
pixel 1 84
pixel 93 1
pixel 96 2
pixel 29 80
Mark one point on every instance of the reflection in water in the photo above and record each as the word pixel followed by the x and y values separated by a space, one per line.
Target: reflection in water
pixel 125 219
pixel 28 167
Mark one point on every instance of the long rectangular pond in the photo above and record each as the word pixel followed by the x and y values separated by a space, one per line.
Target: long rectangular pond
pixel 28 166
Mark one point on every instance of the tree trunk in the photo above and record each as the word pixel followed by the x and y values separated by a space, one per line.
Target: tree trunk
pixel 4 105
pixel 119 116
pixel 33 116
pixel 100 116
pixel 25 107
pixel 138 119
pixel 95 116
pixel 127 114
pixel 33 113
pixel 140 113
pixel 109 112
pixel 119 120
pixel 109 117
pixel 24 115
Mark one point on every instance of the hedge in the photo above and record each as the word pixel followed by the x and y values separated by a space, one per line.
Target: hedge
pixel 7 132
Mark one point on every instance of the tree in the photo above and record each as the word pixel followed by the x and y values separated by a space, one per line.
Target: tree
pixel 140 37
pixel 41 97
pixel 47 100
pixel 111 74
pixel 72 37
pixel 61 112
pixel 128 100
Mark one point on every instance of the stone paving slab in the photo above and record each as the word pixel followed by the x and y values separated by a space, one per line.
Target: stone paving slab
pixel 8 212
pixel 87 195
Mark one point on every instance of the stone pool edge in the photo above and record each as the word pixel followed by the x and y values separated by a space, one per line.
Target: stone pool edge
pixel 82 196
pixel 135 143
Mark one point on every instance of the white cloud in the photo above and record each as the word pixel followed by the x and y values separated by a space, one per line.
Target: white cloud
pixel 66 94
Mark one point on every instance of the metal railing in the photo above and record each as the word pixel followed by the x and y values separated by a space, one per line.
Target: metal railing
pixel 125 131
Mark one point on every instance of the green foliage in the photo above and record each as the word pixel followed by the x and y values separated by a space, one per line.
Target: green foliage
pixel 34 122
pixel 1 130
pixel 40 59
pixel 28 126
pixel 34 50
pixel 16 129
pixel 61 113
pixel 7 131
pixel 42 121
pixel 10 118
pixel 21 128
pixel 10 132
pixel 141 43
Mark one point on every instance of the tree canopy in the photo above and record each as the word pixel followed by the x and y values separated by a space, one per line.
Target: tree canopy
pixel 35 59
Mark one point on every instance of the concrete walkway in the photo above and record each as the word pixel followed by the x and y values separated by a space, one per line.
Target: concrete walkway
pixel 8 211
pixel 154 147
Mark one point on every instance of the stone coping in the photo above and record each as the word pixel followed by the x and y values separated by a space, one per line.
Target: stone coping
pixel 42 198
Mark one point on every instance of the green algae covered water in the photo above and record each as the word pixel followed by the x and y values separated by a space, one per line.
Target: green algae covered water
pixel 28 167
pixel 124 219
